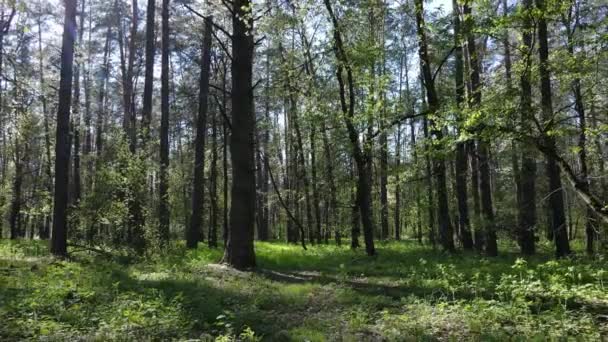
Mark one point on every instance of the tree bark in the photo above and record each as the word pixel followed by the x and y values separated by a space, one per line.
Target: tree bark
pixel 361 160
pixel 58 244
pixel 163 210
pixel 527 210
pixel 461 153
pixel 146 117
pixel 239 251
pixel 485 188
pixel 195 232
pixel 579 106
pixel 556 199
pixel 439 169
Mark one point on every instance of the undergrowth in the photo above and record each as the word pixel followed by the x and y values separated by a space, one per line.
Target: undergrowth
pixel 407 292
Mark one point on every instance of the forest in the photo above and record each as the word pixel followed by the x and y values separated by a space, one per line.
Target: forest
pixel 303 170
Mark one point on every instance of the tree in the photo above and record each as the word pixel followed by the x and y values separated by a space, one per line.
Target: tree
pixel 461 154
pixel 163 209
pixel 239 251
pixel 146 116
pixel 348 110
pixel 527 178
pixel 59 234
pixel 195 232
pixel 439 169
pixel 556 199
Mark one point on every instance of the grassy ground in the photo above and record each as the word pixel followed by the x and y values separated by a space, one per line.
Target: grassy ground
pixel 407 292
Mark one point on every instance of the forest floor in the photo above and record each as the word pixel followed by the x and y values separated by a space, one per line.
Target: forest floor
pixel 327 293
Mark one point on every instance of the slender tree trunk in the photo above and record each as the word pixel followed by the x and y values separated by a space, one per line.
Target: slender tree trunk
pixel 105 71
pixel 58 245
pixel 429 185
pixel 315 190
pixel 146 117
pixel 355 213
pixel 163 210
pixel 15 211
pixel 195 231
pixel 461 153
pixel 398 185
pixel 225 144
pixel 332 222
pixel 556 196
pixel 43 234
pixel 212 241
pixel 509 79
pixel 263 161
pixel 485 187
pixel 579 106
pixel 76 114
pixel 364 198
pixel 416 175
pixel 239 251
pixel 439 169
pixel 527 210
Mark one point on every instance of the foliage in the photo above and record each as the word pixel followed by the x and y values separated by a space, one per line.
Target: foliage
pixel 325 293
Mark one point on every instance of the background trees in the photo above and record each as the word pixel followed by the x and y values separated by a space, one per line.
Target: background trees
pixel 436 117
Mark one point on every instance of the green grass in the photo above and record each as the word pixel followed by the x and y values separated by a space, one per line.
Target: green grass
pixel 327 293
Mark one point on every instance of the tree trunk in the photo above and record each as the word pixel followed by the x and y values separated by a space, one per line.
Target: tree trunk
pixel 556 196
pixel 43 234
pixel 355 213
pixel 439 169
pixel 146 117
pixel 239 251
pixel 461 153
pixel 195 232
pixel 315 190
pixel 333 221
pixel 348 110
pixel 212 241
pixel 163 210
pixel 105 73
pixel 226 139
pixel 579 106
pixel 485 187
pixel 58 245
pixel 527 210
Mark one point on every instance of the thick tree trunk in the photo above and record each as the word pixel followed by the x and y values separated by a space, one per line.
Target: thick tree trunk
pixel 239 250
pixel 556 199
pixel 58 244
pixel 195 232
